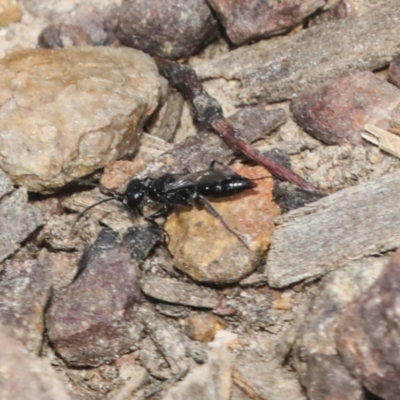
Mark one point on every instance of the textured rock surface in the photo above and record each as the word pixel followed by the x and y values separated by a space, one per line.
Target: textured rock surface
pixel 96 19
pixel 25 376
pixel 246 21
pixel 337 113
pixel 95 320
pixel 168 28
pixel 265 379
pixel 277 69
pixel 314 351
pixel 205 250
pixel 24 294
pixel 368 335
pixel 168 339
pixel 18 220
pixel 10 12
pixel 82 108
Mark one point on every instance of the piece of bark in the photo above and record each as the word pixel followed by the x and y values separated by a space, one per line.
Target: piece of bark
pixel 323 236
pixel 174 291
pixel 276 70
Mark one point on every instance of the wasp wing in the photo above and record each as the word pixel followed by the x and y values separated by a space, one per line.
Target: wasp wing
pixel 209 177
pixel 184 181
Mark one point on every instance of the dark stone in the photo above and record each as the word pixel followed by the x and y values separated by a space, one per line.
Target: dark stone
pixel 106 240
pixel 140 240
pixel 368 335
pixel 63 35
pixel 167 28
pixel 289 197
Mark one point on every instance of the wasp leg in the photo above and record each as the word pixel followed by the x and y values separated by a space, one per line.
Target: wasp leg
pixel 210 208
pixel 164 211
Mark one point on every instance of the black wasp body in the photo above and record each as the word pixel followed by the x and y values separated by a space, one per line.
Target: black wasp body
pixel 188 189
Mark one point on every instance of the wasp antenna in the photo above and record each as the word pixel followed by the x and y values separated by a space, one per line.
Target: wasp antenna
pixel 81 214
pixel 262 177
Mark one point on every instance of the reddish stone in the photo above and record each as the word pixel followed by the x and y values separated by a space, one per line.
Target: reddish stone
pixel 368 335
pixel 205 250
pixel 337 113
pixel 250 20
pixel 95 321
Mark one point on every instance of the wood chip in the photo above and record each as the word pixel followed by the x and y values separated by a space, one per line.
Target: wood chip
pixel 385 140
pixel 325 235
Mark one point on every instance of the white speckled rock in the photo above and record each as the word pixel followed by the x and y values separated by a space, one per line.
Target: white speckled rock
pixel 65 113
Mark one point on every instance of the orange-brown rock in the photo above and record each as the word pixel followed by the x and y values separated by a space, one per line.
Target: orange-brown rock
pixel 204 249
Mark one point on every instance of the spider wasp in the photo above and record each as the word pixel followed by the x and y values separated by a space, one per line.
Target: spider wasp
pixel 186 189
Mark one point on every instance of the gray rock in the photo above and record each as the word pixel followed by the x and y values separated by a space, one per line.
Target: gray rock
pixel 24 294
pixel 18 220
pixel 276 70
pixel 80 107
pixel 6 185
